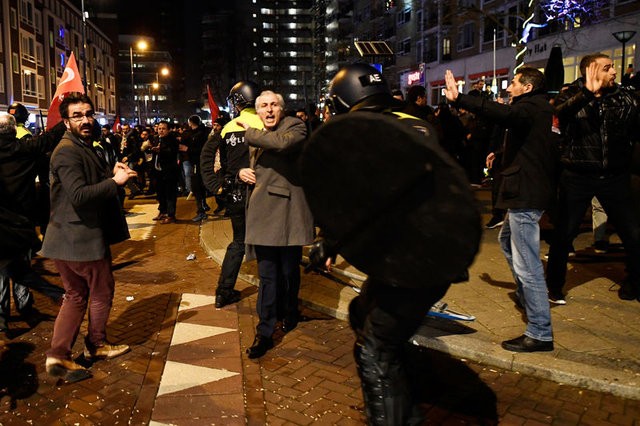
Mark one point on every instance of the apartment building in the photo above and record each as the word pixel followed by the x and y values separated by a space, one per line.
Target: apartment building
pixel 476 38
pixel 37 38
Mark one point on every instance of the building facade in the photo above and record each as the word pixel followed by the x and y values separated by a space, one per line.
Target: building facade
pixel 476 38
pixel 145 84
pixel 37 38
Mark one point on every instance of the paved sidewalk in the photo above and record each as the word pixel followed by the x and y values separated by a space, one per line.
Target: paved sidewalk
pixel 597 335
pixel 188 366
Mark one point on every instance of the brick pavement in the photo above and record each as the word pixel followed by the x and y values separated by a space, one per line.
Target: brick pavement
pixel 308 378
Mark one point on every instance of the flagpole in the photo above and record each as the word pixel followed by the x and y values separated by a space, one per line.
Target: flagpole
pixel 84 48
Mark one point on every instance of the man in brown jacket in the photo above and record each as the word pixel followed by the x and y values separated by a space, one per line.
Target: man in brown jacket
pixel 85 219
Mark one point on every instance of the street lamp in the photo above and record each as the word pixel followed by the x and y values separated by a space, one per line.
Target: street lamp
pixel 623 37
pixel 141 45
pixel 164 71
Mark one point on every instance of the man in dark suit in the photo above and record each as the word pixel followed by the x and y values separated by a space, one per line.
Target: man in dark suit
pixel 279 221
pixel 85 219
pixel 167 169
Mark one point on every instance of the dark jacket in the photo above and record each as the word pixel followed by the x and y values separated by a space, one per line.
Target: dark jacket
pixel 18 168
pixel 529 150
pixel 598 133
pixel 195 139
pixel 168 154
pixel 85 211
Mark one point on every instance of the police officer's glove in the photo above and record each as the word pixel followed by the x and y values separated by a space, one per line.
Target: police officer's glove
pixel 320 251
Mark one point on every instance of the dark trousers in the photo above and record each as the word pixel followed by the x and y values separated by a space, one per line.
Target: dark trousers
pixel 233 256
pixel 576 192
pixel 197 187
pixel 85 283
pixel 279 271
pixel 166 192
pixel 24 278
pixel 384 318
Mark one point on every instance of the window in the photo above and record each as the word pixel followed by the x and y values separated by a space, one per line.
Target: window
pixel 26 12
pixel 431 48
pixel 404 16
pixel 446 48
pixel 404 46
pixel 15 63
pixel 41 87
pixel 37 20
pixel 489 26
pixel 419 51
pixel 28 47
pixel 29 83
pixel 466 36
pixel 1 77
pixel 419 21
pixel 14 18
pixel 39 54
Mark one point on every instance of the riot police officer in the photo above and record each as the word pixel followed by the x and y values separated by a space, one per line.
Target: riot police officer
pixel 234 155
pixel 398 292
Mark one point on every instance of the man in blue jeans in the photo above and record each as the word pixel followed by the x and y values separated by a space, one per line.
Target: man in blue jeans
pixel 526 191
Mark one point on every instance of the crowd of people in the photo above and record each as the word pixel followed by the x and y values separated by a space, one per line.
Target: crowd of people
pixel 555 156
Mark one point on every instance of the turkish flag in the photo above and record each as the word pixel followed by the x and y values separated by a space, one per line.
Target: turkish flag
pixel 69 82
pixel 212 106
pixel 116 125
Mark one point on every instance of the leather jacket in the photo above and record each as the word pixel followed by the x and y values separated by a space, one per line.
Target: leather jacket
pixel 597 133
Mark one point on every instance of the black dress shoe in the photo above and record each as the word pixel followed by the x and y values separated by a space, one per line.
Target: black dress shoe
pixel 224 299
pixel 289 324
pixel 199 217
pixel 260 346
pixel 527 344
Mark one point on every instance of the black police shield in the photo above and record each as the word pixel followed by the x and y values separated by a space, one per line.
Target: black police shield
pixel 398 206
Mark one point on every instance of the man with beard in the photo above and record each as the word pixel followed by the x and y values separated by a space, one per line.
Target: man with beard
pixel 85 219
pixel 599 124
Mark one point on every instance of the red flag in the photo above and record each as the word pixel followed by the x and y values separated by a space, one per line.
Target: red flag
pixel 212 106
pixel 69 82
pixel 116 125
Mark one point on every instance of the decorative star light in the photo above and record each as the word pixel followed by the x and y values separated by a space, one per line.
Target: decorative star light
pixel 573 10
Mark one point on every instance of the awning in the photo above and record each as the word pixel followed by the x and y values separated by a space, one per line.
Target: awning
pixel 488 74
pixel 441 82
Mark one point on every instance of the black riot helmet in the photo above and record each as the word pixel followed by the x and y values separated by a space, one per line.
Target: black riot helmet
pixel 242 95
pixel 19 111
pixel 361 86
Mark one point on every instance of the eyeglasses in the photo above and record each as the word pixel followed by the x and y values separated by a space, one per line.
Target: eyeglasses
pixel 78 117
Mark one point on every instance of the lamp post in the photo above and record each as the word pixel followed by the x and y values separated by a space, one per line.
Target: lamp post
pixel 623 37
pixel 141 45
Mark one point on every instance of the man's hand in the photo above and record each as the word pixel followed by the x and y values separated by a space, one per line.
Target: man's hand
pixel 489 161
pixel 242 124
pixel 247 175
pixel 183 148
pixel 122 173
pixel 451 88
pixel 592 82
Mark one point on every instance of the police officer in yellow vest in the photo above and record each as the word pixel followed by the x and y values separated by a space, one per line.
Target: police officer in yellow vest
pixel 234 155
